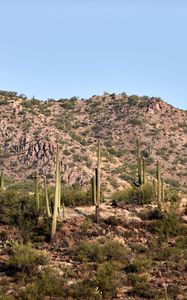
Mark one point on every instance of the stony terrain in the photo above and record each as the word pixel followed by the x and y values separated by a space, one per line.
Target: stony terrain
pixel 29 129
pixel 149 262
pixel 137 247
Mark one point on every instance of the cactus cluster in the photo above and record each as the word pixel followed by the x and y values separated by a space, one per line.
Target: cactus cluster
pixel 158 184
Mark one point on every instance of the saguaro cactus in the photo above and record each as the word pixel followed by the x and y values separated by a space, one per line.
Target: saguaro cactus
pixel 139 162
pixel 2 181
pixel 59 188
pixel 144 171
pixel 162 189
pixel 98 181
pixel 46 198
pixel 56 203
pixel 158 185
pixel 36 190
pixel 94 189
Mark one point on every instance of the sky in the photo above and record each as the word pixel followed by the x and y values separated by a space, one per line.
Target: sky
pixel 65 48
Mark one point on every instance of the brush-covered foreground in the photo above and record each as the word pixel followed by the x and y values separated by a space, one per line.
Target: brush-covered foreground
pixel 135 252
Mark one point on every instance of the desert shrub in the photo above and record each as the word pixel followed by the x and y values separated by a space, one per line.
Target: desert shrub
pixel 137 195
pixel 25 259
pixel 75 196
pixel 48 283
pixel 116 152
pixel 85 226
pixel 84 290
pixel 3 296
pixel 173 182
pixel 133 100
pixel 113 221
pixel 123 195
pixel 18 208
pixel 135 121
pixel 69 104
pixel 108 279
pixel 151 214
pixel 100 252
pixel 140 264
pixel 141 287
pixel 168 226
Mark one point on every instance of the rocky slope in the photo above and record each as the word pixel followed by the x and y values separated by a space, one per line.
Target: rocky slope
pixel 29 129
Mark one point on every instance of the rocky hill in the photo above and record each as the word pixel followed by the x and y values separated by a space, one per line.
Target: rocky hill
pixel 29 129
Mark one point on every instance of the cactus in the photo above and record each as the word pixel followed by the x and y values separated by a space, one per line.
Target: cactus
pixel 139 161
pixel 162 189
pixel 63 211
pixel 59 186
pixel 144 171
pixel 46 198
pixel 158 184
pixel 98 182
pixel 36 190
pixel 165 293
pixel 2 181
pixel 155 187
pixel 150 149
pixel 56 203
pixel 94 189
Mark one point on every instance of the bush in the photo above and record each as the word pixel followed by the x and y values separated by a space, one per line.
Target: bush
pixel 18 208
pixel 141 287
pixel 25 259
pixel 137 195
pixel 48 283
pixel 168 226
pixel 100 252
pixel 113 221
pixel 107 279
pixel 75 196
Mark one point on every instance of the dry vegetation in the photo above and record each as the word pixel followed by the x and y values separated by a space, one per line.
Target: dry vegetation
pixel 137 249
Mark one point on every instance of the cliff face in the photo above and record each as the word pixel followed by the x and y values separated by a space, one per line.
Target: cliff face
pixel 29 130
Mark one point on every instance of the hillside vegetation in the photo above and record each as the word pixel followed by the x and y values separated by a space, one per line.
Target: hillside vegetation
pixel 93 199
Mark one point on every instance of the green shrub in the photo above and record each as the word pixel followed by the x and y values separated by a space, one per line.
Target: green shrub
pixel 141 287
pixel 168 226
pixel 25 259
pixel 100 252
pixel 75 196
pixel 137 195
pixel 114 221
pixel 18 208
pixel 108 279
pixel 48 283
pixel 140 264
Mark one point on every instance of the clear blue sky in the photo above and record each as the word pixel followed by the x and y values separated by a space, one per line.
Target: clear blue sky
pixel 62 48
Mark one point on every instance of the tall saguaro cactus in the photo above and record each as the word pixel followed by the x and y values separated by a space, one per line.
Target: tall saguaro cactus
pixel 162 190
pixel 139 162
pixel 158 185
pixel 94 190
pixel 46 198
pixel 56 203
pixel 144 171
pixel 36 190
pixel 2 181
pixel 98 181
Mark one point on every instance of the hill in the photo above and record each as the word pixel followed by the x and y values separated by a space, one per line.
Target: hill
pixel 29 129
